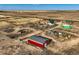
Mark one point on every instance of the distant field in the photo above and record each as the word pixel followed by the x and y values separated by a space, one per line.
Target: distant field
pixel 62 15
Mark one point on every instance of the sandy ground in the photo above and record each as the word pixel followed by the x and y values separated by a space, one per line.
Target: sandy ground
pixel 60 47
pixel 15 47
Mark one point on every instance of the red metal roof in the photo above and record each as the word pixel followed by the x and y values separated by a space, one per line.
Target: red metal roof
pixel 35 43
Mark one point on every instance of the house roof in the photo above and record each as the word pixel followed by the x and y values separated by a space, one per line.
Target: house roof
pixel 38 38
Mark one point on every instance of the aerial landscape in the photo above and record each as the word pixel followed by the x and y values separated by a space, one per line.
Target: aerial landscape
pixel 39 32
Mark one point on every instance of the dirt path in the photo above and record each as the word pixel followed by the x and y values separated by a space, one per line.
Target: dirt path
pixel 34 33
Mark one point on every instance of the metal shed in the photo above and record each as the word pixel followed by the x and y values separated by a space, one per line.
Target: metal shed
pixel 36 40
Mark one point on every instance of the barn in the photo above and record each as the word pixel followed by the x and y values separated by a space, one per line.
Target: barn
pixel 36 40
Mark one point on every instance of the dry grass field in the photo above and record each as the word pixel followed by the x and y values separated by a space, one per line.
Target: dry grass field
pixel 37 22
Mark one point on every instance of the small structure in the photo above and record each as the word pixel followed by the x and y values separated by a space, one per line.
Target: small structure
pixel 67 24
pixel 36 40
pixel 51 22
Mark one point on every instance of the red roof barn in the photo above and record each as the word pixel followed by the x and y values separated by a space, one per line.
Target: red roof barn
pixel 37 40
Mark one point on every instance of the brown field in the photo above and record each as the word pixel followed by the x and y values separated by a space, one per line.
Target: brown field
pixel 36 22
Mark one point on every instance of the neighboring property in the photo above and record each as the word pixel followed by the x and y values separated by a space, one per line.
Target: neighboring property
pixel 51 22
pixel 37 41
pixel 67 24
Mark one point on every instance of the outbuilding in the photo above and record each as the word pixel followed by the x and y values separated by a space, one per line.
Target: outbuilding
pixel 36 40
pixel 67 24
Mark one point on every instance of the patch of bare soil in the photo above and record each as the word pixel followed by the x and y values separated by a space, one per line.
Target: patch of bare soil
pixel 14 47
pixel 67 47
pixel 72 51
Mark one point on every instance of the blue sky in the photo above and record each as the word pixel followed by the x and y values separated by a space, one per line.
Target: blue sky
pixel 39 6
